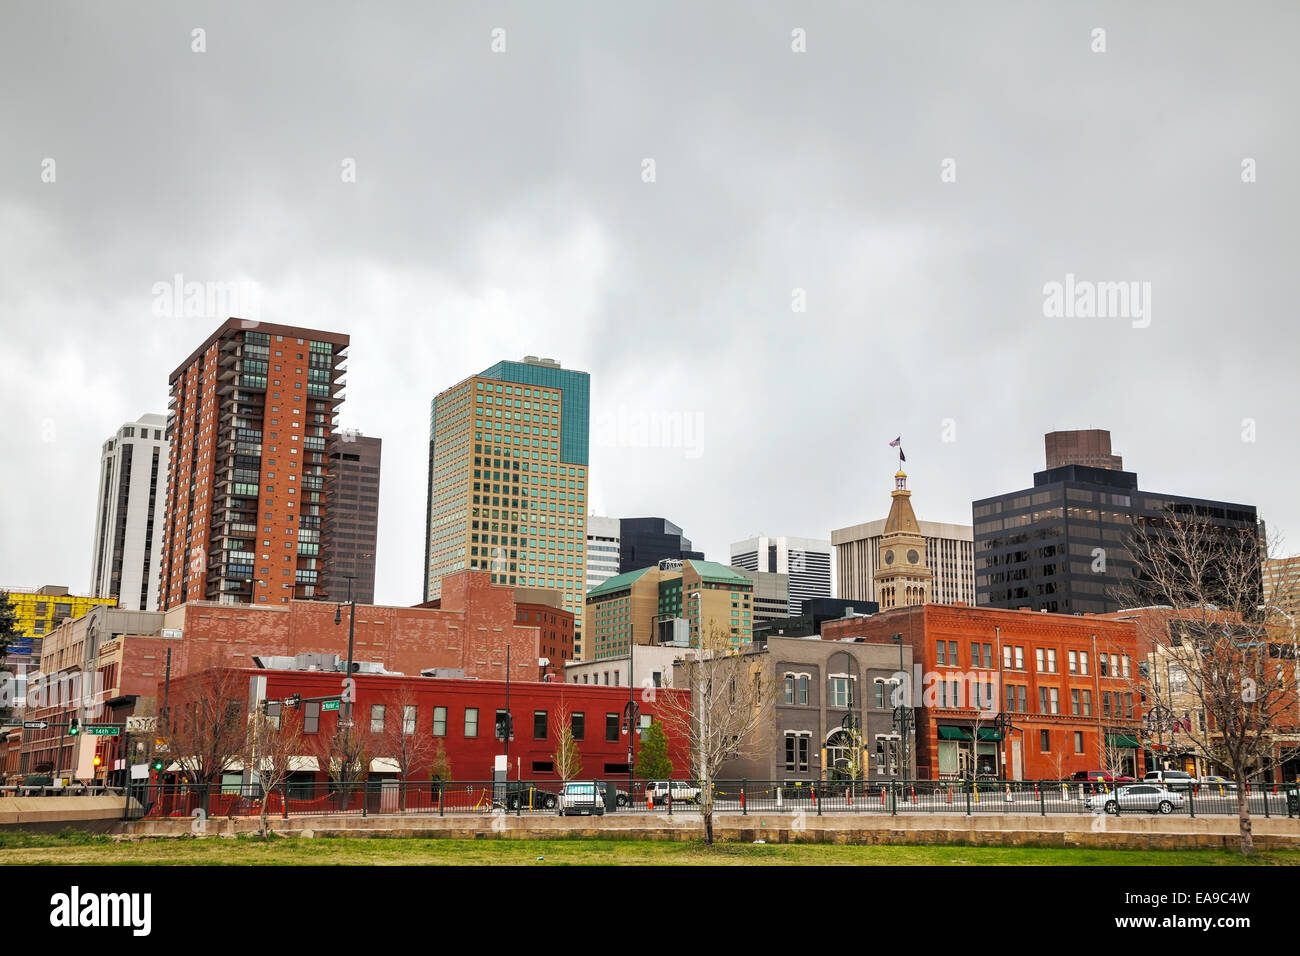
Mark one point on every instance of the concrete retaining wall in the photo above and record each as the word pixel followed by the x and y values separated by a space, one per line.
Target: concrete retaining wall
pixel 1060 831
pixel 54 813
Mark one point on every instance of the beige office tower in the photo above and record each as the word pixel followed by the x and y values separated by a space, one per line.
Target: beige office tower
pixel 508 453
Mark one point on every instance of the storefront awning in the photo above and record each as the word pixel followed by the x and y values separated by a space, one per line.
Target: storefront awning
pixel 989 733
pixel 953 733
pixel 1122 741
pixel 385 765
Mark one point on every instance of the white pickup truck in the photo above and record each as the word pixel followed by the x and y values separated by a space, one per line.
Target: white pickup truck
pixel 681 791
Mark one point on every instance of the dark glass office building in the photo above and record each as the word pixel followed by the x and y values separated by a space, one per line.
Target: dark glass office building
pixel 644 542
pixel 1063 545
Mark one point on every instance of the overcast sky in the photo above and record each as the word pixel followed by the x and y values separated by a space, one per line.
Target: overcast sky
pixel 501 207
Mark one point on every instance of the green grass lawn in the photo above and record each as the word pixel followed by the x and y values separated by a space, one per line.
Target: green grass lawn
pixel 75 848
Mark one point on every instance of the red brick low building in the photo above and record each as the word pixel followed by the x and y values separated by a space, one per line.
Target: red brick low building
pixel 459 715
pixel 1068 685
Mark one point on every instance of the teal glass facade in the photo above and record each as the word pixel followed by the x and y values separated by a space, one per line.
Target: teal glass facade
pixel 575 403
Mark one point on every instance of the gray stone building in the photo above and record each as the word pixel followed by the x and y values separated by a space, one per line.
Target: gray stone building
pixel 819 685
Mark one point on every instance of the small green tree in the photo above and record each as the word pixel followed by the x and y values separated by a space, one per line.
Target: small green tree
pixel 8 634
pixel 440 765
pixel 8 625
pixel 652 761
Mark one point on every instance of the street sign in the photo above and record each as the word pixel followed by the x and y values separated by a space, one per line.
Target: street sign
pixel 329 705
pixel 141 725
pixel 34 724
pixel 101 730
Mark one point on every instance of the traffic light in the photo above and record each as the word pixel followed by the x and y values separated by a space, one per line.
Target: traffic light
pixel 73 729
pixel 158 764
pixel 504 726
pixel 98 760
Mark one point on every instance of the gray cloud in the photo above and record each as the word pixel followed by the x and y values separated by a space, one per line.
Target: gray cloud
pixel 499 210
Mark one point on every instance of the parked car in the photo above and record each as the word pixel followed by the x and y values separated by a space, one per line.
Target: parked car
pixel 1170 778
pixel 1136 796
pixel 621 797
pixel 1100 776
pixel 518 794
pixel 658 792
pixel 582 797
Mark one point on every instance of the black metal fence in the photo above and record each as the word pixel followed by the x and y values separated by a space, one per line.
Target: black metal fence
pixel 394 797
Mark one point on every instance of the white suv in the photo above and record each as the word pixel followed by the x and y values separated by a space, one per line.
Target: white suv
pixel 1176 779
pixel 581 797
pixel 658 792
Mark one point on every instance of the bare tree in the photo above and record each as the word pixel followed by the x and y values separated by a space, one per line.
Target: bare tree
pixel 730 699
pixel 401 740
pixel 346 755
pixel 205 728
pixel 274 741
pixel 1212 636
pixel 568 759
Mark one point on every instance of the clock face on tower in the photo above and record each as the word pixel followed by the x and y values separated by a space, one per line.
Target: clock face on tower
pixel 913 557
pixel 889 557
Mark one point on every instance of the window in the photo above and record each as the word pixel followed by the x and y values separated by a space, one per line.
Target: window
pixel 611 727
pixel 789 688
pixel 1020 658
pixel 841 692
pixel 376 718
pixel 1087 703
pixel 471 721
pixel 1054 698
pixel 311 717
pixel 1105 703
pixel 1074 702
pixel 1083 663
pixel 988 657
pixel 1022 695
pixel 1045 741
pixel 1125 662
pixel 1006 657
pixel 796 752
pixel 1040 659
pixel 539 725
pixel 952 653
pixel 803 690
pixel 440 721
pixel 1051 660
pixel 1128 704
pixel 880 695
pixel 940 653
pixel 579 724
pixel 1078 741
pixel 409 713
pixel 1073 657
pixel 1177 680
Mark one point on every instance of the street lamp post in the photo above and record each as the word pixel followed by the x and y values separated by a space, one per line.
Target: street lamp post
pixel 902 713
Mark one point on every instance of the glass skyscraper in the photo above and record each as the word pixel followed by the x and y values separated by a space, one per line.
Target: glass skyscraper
pixel 508 457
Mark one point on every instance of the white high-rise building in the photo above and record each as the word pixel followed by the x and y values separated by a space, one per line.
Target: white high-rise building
pixel 949 553
pixel 127 560
pixel 602 550
pixel 806 561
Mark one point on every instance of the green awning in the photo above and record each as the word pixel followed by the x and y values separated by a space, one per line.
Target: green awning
pixel 989 733
pixel 953 733
pixel 1122 741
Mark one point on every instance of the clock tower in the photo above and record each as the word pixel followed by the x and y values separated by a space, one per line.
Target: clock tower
pixel 902 578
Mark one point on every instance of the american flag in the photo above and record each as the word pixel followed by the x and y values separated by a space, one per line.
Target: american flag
pixel 896 442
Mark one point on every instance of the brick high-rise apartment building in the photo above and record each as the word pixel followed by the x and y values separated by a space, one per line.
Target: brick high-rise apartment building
pixel 508 480
pixel 250 413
